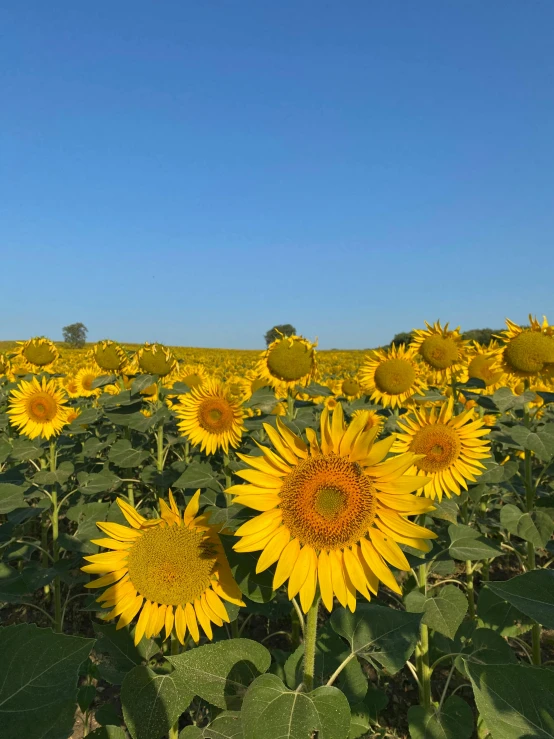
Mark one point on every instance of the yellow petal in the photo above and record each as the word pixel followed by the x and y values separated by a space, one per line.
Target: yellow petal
pixel 180 624
pixel 307 591
pixel 286 562
pixel 142 622
pixel 217 606
pixel 273 549
pixel 376 563
pixel 119 532
pixel 192 508
pixel 149 628
pixel 325 582
pixel 258 523
pixel 261 479
pixel 192 622
pixel 128 615
pixel 107 579
pixel 259 502
pixel 112 544
pixel 209 611
pixel 131 514
pixel 203 619
pixel 378 452
pixel 300 571
pixel 169 619
pixel 167 514
pixel 337 577
pixel 355 572
pixel 280 445
pixel 407 528
pixel 388 549
pixel 294 442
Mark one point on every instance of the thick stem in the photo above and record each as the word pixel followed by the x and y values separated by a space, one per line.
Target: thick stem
pixel 131 493
pixel 470 589
pixel 55 544
pixel 175 649
pixel 422 650
pixel 290 407
pixel 310 638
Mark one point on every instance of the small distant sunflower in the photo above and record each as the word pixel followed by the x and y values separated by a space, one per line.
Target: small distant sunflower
pixel 193 375
pixel 71 386
pixel 484 365
pixel 288 362
pixel 5 364
pixel 373 419
pixel 443 350
pixel 451 448
pixel 84 379
pixel 350 388
pixel 109 355
pixel 38 409
pixel 238 387
pixel 391 377
pixel 156 359
pixel 528 352
pixel 210 417
pixel 38 353
pixel 73 414
pixel 172 570
pixel 333 511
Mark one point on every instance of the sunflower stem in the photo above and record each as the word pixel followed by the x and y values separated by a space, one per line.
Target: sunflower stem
pixel 310 638
pixel 55 544
pixel 175 649
pixel 422 649
pixel 530 507
pixel 290 406
pixel 228 481
pixel 470 589
pixel 131 494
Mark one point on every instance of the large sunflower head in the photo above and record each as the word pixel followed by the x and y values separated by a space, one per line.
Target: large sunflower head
pixel 38 408
pixel 156 359
pixel 84 379
pixel 528 351
pixel 288 362
pixel 38 353
pixel 332 510
pixel 109 355
pixel 443 350
pixel 211 417
pixel 392 376
pixel 171 572
pixel 450 448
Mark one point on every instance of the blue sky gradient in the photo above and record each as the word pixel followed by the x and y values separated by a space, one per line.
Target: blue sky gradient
pixel 193 173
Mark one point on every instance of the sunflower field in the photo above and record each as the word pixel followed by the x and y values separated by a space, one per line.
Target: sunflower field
pixel 287 544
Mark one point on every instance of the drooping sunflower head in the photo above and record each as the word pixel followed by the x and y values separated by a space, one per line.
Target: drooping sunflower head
pixel 392 376
pixel 84 379
pixel 171 572
pixel 38 352
pixel 443 350
pixel 332 510
pixel 156 359
pixel 450 446
pixel 109 355
pixel 38 408
pixel 287 362
pixel 528 352
pixel 210 417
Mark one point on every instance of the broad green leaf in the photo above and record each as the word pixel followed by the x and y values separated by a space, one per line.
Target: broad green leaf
pixel 493 474
pixel 98 482
pixel 504 399
pixel 515 701
pixel 446 510
pixel 141 382
pixel 541 441
pixel 536 527
pixel 39 692
pixel 221 672
pixel 271 711
pixel 85 696
pixel 264 399
pixel 60 475
pixel 11 497
pixel 467 544
pixel 255 586
pixel 227 725
pixel 123 455
pixel 25 449
pixel 314 390
pixel 364 713
pixel 486 647
pixel 445 612
pixel 198 475
pixel 120 655
pixel 102 380
pixel 152 703
pixel 453 721
pixel 500 616
pixel 531 593
pixel 379 633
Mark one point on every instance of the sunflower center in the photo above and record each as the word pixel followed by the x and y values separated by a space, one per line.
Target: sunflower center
pixel 290 360
pixel 192 380
pixel 41 408
pixel 481 367
pixel 39 354
pixel 215 415
pixel 155 362
pixel 441 352
pixel 171 565
pixel 439 443
pixel 327 502
pixel 350 387
pixel 108 357
pixel 529 351
pixel 394 376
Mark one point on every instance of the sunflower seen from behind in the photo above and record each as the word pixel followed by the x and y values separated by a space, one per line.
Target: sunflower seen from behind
pixel 38 408
pixel 451 448
pixel 156 359
pixel 109 356
pixel 208 416
pixel 286 363
pixel 392 376
pixel 332 511
pixel 170 573
pixel 38 353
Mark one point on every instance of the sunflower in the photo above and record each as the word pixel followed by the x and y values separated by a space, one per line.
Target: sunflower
pixel 84 379
pixel 210 417
pixel 38 352
pixel 451 448
pixel 5 364
pixel 528 352
pixel 484 365
pixel 332 511
pixel 443 351
pixel 109 355
pixel 193 375
pixel 286 363
pixel 71 386
pixel 372 419
pixel 156 359
pixel 348 388
pixel 392 376
pixel 172 570
pixel 38 409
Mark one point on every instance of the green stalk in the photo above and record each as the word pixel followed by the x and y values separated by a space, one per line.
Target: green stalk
pixel 470 586
pixel 175 649
pixel 131 494
pixel 55 544
pixel 228 481
pixel 530 507
pixel 309 646
pixel 290 406
pixel 422 649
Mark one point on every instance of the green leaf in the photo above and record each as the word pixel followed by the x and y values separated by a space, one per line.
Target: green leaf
pixel 467 544
pixel 11 497
pixel 495 473
pixel 61 475
pixel 314 390
pixel 221 672
pixel 108 732
pixel 531 593
pixel 504 399
pixel 541 442
pixel 38 694
pixel 486 647
pixel 255 586
pixel 497 614
pixel 120 655
pixel 446 510
pixel 25 449
pixel 536 527
pixel 85 695
pixel 364 713
pixel 123 455
pixel 102 380
pixel 445 612
pixel 141 382
pixel 98 482
pixel 379 633
pixel 198 475
pixel 227 725
pixel 271 711
pixel 152 703
pixel 515 701
pixel 264 399
pixel 453 721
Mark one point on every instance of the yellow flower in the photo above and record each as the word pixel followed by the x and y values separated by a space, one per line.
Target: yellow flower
pixel 484 365
pixel 84 379
pixel 391 377
pixel 443 351
pixel 156 359
pixel 528 352
pixel 332 511
pixel 210 417
pixel 193 375
pixel 38 353
pixel 38 409
pixel 450 448
pixel 286 363
pixel 372 419
pixel 172 570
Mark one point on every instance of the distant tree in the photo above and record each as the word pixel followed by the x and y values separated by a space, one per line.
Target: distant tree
pixel 402 338
pixel 75 334
pixel 480 335
pixel 284 329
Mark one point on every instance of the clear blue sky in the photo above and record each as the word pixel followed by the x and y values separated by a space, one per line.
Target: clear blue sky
pixel 195 172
